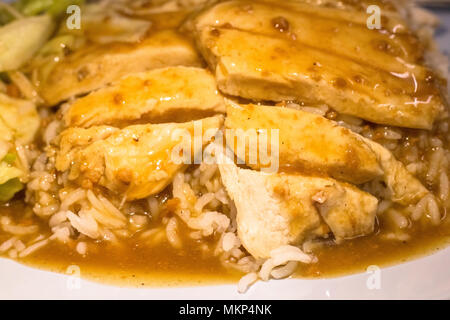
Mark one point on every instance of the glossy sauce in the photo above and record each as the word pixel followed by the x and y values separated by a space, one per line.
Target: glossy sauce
pixel 136 265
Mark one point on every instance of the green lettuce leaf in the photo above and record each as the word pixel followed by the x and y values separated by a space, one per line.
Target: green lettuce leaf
pixel 19 122
pixel 21 39
pixel 9 189
pixel 56 8
pixel 19 119
pixel 9 178
pixel 10 158
pixel 8 172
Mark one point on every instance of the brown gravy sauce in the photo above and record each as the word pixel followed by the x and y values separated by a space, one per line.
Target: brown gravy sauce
pixel 137 265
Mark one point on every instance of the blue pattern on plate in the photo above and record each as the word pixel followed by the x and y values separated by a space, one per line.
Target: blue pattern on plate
pixel 443 32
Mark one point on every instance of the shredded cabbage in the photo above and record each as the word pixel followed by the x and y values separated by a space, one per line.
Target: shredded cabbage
pixel 5 131
pixel 52 7
pixel 19 122
pixel 10 158
pixel 10 177
pixel 8 172
pixel 19 119
pixel 102 25
pixel 19 9
pixel 25 26
pixel 9 189
pixel 51 53
pixel 20 39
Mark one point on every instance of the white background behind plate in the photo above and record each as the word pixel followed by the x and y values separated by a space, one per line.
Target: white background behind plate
pixel 424 278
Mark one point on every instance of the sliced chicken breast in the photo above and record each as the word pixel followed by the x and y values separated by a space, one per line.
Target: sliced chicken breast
pixel 137 161
pixel 405 189
pixel 354 12
pixel 369 75
pixel 94 66
pixel 396 54
pixel 306 142
pixel 143 8
pixel 174 94
pixel 280 209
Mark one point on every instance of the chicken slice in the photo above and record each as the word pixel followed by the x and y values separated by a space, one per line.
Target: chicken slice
pixel 166 19
pixel 173 94
pixel 94 66
pixel 394 54
pixel 354 12
pixel 309 143
pixel 405 189
pixel 144 8
pixel 72 140
pixel 137 161
pixel 103 24
pixel 118 20
pixel 276 68
pixel 306 142
pixel 348 211
pixel 280 209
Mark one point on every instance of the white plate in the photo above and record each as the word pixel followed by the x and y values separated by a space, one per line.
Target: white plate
pixel 425 278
